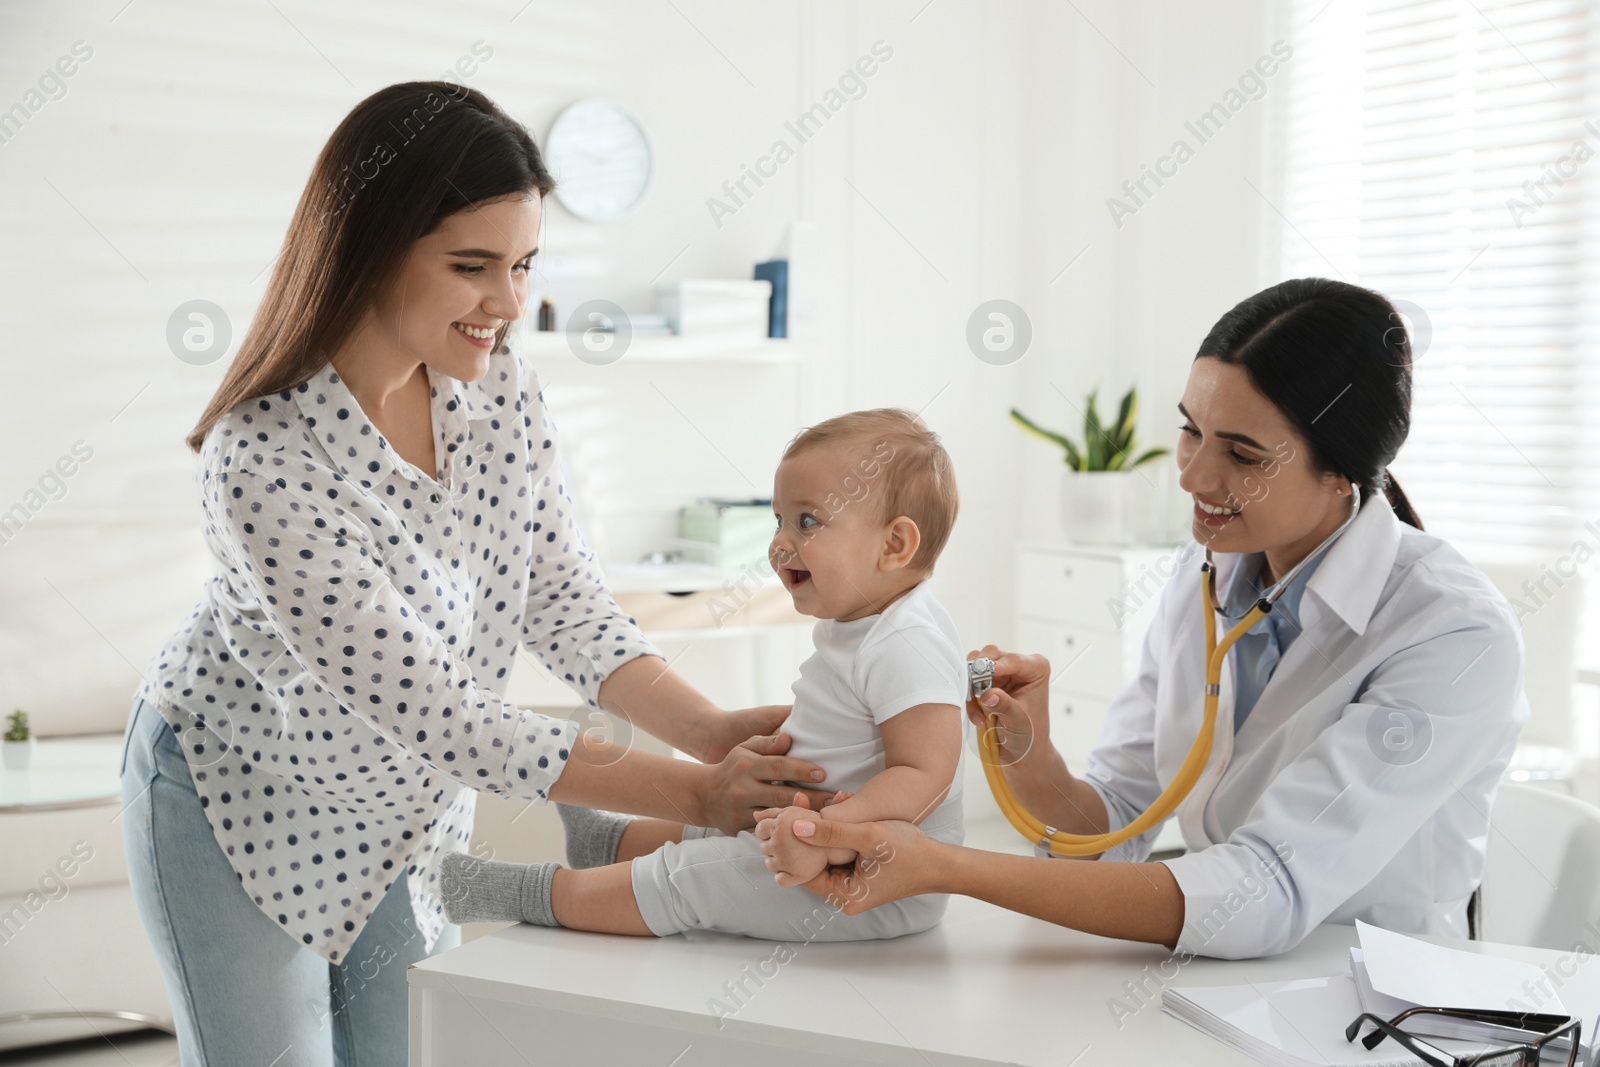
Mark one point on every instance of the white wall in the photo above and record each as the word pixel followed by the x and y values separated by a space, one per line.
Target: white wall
pixel 1111 87
pixel 975 166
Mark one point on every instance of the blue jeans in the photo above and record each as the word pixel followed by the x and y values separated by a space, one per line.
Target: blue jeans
pixel 243 992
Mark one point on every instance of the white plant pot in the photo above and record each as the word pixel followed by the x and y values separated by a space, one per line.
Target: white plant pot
pixel 1098 507
pixel 17 754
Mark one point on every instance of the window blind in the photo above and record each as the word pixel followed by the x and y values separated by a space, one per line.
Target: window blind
pixel 1446 154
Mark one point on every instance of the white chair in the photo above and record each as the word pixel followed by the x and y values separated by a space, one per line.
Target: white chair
pixel 1541 880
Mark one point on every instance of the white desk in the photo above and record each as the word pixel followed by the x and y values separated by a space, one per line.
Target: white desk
pixel 984 987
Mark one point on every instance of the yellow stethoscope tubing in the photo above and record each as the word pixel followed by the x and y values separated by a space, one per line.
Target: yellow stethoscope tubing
pixel 1059 843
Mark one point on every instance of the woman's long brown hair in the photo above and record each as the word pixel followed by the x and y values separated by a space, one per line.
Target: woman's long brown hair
pixel 404 158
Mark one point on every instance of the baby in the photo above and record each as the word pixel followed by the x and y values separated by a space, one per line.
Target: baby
pixel 864 504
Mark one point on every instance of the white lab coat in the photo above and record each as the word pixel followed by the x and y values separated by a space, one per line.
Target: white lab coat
pixel 1360 784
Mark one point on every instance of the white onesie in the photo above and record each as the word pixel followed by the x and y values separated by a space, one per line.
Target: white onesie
pixel 863 673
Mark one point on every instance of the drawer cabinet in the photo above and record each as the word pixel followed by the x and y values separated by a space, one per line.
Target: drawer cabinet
pixel 1073 586
pixel 1082 658
pixel 1087 609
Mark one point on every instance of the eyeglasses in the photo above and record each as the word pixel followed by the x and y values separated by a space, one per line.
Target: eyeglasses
pixel 1549 1027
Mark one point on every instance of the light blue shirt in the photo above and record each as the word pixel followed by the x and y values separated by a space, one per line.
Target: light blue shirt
pixel 1255 655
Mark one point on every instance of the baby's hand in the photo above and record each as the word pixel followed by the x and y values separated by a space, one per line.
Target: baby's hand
pixel 838 798
pixel 792 861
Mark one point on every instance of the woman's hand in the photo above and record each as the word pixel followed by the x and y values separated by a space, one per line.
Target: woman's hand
pixel 893 859
pixel 732 791
pixel 724 730
pixel 646 692
pixel 836 856
pixel 1020 700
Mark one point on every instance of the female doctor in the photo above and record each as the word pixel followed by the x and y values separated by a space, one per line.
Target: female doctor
pixel 1362 725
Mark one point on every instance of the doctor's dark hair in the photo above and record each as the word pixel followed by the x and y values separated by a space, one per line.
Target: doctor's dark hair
pixel 397 165
pixel 1336 360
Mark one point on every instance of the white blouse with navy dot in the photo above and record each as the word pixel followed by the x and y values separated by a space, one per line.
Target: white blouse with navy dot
pixel 338 689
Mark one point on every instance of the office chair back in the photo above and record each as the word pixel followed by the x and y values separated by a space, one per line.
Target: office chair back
pixel 1541 881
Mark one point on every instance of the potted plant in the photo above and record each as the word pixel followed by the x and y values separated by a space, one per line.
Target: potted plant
pixel 1096 491
pixel 18 744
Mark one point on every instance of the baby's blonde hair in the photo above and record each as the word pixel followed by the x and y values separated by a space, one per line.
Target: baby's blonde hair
pixel 917 479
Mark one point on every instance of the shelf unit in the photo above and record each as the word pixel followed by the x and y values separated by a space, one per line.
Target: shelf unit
pixel 654 347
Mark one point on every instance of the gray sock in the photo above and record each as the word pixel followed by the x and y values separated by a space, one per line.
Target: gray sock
pixel 592 836
pixel 485 891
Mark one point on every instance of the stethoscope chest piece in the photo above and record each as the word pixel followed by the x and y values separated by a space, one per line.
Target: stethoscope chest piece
pixel 980 676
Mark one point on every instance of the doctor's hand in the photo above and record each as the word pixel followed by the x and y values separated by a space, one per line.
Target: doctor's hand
pixel 1020 699
pixel 893 860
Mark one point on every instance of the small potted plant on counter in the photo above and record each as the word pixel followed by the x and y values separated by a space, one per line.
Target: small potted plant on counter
pixel 1098 497
pixel 17 747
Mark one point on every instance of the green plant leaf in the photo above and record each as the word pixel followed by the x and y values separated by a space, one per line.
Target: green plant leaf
pixel 1118 439
pixel 1093 436
pixel 1038 431
pixel 1154 453
pixel 1125 417
pixel 1069 450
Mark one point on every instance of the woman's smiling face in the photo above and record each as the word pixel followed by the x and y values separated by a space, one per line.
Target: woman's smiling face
pixel 1249 471
pixel 468 277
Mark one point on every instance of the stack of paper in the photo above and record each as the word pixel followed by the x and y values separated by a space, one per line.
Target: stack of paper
pixel 1292 1024
pixel 1302 1022
pixel 1393 972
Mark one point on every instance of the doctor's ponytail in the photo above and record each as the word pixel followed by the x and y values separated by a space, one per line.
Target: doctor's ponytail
pixel 1336 360
pixel 1398 500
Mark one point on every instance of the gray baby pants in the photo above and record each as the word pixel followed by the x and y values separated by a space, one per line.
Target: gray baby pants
pixel 715 882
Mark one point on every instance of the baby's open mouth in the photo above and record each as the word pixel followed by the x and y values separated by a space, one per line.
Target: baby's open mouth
pixel 794 577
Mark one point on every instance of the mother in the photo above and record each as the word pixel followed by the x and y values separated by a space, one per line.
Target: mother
pixel 1363 725
pixel 383 500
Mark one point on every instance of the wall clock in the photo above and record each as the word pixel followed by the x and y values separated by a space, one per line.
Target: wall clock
pixel 600 157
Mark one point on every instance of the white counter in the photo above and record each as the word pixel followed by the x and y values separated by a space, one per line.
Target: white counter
pixel 985 987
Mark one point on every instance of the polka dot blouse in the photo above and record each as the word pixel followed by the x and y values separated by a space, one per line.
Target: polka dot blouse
pixel 337 691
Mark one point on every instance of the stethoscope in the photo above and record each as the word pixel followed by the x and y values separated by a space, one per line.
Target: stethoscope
pixel 980 673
